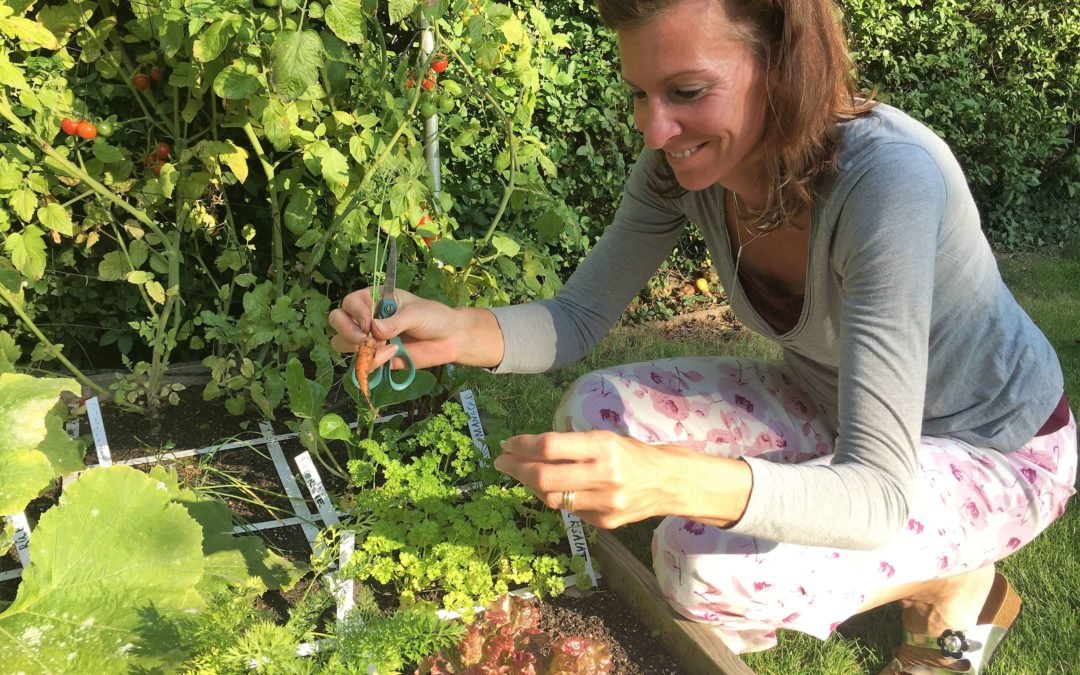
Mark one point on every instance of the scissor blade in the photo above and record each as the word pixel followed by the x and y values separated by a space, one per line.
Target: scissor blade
pixel 391 272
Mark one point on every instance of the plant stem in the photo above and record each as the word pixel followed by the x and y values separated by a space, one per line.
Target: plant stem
pixel 275 211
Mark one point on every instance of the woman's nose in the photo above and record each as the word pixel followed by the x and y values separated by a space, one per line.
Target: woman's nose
pixel 656 123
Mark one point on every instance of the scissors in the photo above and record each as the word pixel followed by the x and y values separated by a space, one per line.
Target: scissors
pixel 386 308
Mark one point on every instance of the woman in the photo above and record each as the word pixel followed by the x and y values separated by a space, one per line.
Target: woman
pixel 917 431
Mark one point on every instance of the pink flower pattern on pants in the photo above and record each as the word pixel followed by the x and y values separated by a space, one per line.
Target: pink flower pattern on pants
pixel 972 507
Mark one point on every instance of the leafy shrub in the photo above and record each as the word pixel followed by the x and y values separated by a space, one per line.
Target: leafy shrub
pixel 1000 81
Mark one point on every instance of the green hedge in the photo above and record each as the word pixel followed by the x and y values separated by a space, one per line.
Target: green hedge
pixel 1000 82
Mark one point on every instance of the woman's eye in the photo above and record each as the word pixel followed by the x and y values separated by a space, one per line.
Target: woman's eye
pixel 637 94
pixel 688 94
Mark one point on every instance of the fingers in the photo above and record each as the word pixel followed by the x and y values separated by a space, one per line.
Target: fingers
pixel 354 320
pixel 593 465
pixel 351 321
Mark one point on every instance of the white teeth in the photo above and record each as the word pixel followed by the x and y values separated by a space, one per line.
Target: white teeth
pixel 684 154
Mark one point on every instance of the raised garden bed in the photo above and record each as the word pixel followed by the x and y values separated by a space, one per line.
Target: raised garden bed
pixel 244 474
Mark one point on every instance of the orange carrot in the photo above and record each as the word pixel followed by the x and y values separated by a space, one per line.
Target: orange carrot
pixel 365 354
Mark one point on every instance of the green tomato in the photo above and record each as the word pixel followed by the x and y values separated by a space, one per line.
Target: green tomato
pixel 446 104
pixel 427 109
pixel 105 128
pixel 269 3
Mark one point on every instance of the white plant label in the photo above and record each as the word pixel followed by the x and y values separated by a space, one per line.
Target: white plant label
pixel 343 591
pixel 579 546
pixel 97 427
pixel 22 537
pixel 476 429
pixel 316 488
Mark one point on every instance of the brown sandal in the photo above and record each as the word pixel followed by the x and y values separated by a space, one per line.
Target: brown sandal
pixel 960 651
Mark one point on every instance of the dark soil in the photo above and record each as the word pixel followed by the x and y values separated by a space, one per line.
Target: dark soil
pixel 245 478
pixel 602 615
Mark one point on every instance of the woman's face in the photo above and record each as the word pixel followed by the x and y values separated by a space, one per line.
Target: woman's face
pixel 699 94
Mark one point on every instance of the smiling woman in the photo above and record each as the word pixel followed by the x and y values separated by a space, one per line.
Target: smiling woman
pixel 885 459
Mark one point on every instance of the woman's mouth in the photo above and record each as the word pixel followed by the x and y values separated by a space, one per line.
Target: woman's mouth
pixel 683 154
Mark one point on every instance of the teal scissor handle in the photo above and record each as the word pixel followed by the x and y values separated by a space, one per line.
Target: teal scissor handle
pixel 384 370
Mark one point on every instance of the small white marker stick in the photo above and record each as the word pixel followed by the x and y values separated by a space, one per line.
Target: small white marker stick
pixel 97 428
pixel 579 546
pixel 22 537
pixel 476 429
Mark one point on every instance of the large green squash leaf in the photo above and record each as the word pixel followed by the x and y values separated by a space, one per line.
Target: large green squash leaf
pixel 229 558
pixel 33 445
pixel 112 565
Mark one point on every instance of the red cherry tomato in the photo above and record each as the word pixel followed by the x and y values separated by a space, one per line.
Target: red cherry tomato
pixel 156 74
pixel 69 126
pixel 141 82
pixel 430 240
pixel 440 63
pixel 157 168
pixel 86 130
pixel 428 84
pixel 163 150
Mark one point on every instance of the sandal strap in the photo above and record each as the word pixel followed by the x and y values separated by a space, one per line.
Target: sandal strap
pixel 951 643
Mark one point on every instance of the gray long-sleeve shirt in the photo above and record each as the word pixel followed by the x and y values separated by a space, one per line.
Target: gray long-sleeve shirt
pixel 906 327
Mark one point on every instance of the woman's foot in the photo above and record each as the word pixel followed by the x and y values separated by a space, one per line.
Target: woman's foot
pixel 955 624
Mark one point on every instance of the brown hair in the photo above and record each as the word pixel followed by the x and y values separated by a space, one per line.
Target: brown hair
pixel 801 46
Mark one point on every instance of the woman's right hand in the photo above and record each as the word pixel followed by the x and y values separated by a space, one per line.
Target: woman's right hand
pixel 431 332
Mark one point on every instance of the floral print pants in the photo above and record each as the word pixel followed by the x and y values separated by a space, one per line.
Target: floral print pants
pixel 973 506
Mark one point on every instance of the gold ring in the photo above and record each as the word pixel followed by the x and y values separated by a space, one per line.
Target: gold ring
pixel 568 501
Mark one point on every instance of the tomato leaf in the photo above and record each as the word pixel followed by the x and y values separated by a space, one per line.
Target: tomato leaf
pixel 111 267
pixel 55 217
pixel 23 202
pixel 155 291
pixel 278 122
pixel 295 61
pixel 31 32
pixel 27 250
pixel 209 45
pixel 237 81
pixel 299 212
pixel 451 252
pixel 110 154
pixel 346 19
pixel 399 9
pixel 11 74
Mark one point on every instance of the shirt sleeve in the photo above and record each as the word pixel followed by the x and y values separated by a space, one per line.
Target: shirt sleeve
pixel 547 334
pixel 883 252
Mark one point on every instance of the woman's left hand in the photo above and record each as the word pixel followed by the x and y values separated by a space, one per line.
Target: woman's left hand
pixel 615 479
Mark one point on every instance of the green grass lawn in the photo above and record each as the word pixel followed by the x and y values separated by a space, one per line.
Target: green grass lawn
pixel 1046 572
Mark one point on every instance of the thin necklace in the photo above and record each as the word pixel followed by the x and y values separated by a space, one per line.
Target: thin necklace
pixel 739 225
